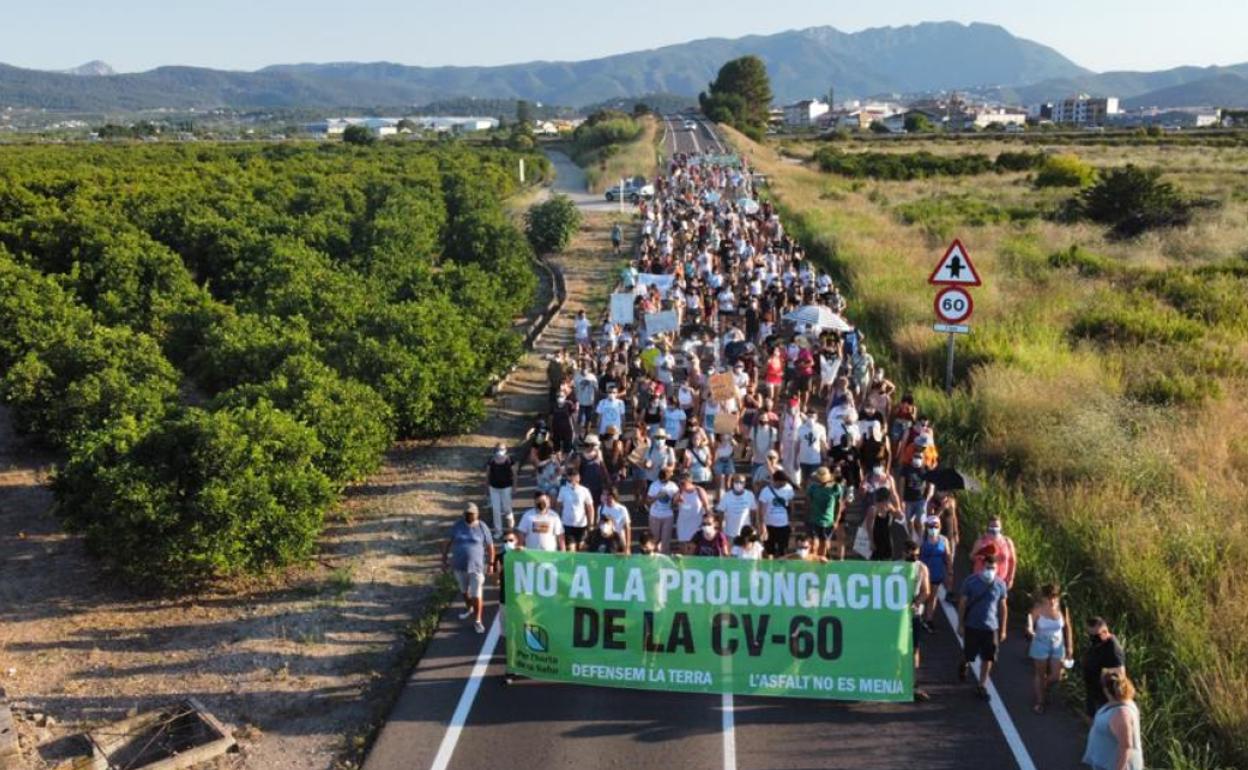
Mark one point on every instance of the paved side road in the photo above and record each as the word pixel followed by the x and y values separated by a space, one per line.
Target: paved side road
pixel 456 712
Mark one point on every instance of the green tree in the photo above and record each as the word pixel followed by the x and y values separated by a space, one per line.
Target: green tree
pixel 77 384
pixel 198 495
pixel 524 113
pixel 550 226
pixel 358 135
pixel 352 422
pixel 740 95
pixel 918 123
pixel 1132 200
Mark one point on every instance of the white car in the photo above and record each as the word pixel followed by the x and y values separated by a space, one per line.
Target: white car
pixel 691 125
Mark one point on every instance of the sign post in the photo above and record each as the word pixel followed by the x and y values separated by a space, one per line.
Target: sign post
pixel 953 304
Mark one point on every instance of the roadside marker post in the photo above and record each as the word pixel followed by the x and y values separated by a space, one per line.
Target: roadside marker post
pixel 953 304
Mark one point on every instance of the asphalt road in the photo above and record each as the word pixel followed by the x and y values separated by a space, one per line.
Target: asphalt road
pixel 456 712
pixel 702 140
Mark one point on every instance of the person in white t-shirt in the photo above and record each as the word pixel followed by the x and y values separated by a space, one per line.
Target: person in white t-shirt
pixel 660 496
pixel 581 326
pixel 610 413
pixel 737 506
pixel 812 443
pixel 775 502
pixel 576 509
pixel 541 527
pixel 674 421
pixel 617 512
pixel 586 394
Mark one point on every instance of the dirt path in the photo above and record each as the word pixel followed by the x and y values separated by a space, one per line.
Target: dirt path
pixel 303 664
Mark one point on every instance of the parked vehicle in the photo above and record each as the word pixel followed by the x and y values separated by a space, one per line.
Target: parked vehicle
pixel 634 190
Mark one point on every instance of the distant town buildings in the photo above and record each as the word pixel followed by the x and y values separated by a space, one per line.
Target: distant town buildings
pixel 390 126
pixel 1084 110
pixel 804 113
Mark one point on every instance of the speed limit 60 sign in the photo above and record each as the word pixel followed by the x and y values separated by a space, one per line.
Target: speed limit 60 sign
pixel 954 305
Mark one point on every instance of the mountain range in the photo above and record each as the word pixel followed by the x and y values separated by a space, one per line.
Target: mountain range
pixel 927 57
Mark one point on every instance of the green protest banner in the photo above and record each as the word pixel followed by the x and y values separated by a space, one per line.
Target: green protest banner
pixel 695 624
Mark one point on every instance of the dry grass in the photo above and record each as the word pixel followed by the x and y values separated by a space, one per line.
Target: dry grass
pixel 639 156
pixel 1126 487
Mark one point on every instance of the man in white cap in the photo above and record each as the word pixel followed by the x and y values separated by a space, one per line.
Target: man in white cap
pixel 464 552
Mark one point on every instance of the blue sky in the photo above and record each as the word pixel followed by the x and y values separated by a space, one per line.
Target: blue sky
pixel 135 35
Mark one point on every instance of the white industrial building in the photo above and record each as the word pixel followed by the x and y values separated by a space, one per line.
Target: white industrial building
pixel 1084 110
pixel 805 113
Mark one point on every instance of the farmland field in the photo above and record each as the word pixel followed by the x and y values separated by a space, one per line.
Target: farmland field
pixel 1100 390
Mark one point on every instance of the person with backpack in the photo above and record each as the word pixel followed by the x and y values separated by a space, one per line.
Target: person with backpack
pixel 464 553
pixel 775 502
pixel 982 616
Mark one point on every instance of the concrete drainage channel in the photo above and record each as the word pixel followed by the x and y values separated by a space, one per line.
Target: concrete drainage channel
pixel 544 319
pixel 174 737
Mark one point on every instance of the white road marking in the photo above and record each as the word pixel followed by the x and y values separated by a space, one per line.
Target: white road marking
pixel 730 733
pixel 1015 741
pixel 456 726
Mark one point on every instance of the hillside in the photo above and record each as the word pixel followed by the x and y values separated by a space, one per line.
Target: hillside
pixel 802 62
pixel 1225 90
pixel 1128 85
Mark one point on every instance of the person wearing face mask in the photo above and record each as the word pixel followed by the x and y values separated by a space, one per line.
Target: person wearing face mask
pixel 709 540
pixel 511 543
pixel 617 512
pixel 982 617
pixel 936 552
pixel 812 443
pixel 922 593
pixel 610 412
pixel 996 543
pixel 1104 654
pixel 916 491
pixel 501 478
pixel 804 552
pixel 606 538
pixel 736 505
pixel 541 527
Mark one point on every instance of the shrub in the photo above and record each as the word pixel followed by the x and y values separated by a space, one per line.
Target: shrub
pixel 77 384
pixel 198 495
pixel 550 226
pixel 1133 319
pixel 1018 161
pixel 353 424
pixel 1064 171
pixel 1081 261
pixel 358 135
pixel 899 166
pixel 1132 200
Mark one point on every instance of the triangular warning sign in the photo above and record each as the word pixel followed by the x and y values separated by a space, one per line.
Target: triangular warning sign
pixel 955 268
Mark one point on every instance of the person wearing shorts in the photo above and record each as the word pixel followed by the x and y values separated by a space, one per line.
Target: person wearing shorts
pixel 576 510
pixel 1048 628
pixel 824 499
pixel 981 621
pixel 464 552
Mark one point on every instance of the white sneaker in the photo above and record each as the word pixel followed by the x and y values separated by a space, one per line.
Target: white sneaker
pixel 479 627
pixel 465 614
